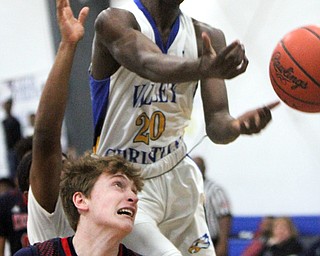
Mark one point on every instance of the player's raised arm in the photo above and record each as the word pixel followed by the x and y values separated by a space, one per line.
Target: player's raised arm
pixel 47 157
pixel 118 40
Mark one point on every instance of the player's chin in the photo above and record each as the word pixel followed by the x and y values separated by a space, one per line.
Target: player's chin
pixel 127 229
pixel 127 225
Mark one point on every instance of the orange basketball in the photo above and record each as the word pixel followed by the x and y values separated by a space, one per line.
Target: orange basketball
pixel 294 69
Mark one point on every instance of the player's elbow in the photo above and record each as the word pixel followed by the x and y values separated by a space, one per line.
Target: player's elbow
pixel 220 136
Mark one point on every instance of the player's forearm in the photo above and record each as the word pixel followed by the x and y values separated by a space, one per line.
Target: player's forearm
pixel 45 170
pixel 143 57
pixel 149 62
pixel 55 93
pixel 160 67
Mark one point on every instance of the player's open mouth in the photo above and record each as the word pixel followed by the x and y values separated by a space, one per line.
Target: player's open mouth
pixel 126 211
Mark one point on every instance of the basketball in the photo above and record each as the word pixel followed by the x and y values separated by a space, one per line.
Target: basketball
pixel 294 69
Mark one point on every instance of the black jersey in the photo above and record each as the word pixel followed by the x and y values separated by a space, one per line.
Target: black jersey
pixel 13 221
pixel 61 247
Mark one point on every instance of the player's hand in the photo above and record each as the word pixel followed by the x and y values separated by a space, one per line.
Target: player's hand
pixel 71 29
pixel 255 120
pixel 227 64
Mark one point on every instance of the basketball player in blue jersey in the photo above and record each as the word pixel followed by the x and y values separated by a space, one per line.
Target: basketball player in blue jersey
pixel 147 59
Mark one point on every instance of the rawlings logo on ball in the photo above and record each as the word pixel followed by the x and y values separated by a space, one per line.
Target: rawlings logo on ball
pixel 294 68
pixel 286 75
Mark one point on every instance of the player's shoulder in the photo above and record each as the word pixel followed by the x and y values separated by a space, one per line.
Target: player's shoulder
pixel 115 17
pixel 49 248
pixel 26 251
pixel 112 12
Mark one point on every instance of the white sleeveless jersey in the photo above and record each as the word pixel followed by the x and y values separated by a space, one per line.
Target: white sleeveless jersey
pixel 139 119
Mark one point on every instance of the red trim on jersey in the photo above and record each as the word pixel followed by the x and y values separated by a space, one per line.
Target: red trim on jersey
pixel 120 250
pixel 65 246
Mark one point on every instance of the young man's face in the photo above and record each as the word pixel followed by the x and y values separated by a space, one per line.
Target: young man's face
pixel 113 202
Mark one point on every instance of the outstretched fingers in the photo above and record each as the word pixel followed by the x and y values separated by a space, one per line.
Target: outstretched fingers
pixel 71 28
pixel 272 105
pixel 83 15
pixel 232 60
pixel 235 58
pixel 60 5
pixel 265 113
pixel 264 117
pixel 256 120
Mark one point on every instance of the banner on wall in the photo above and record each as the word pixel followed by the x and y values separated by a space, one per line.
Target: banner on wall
pixel 25 93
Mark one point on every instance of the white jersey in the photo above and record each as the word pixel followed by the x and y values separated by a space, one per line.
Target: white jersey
pixel 144 122
pixel 42 226
pixel 139 119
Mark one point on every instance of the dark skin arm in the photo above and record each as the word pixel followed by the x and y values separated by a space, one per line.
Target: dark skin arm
pixel 47 156
pixel 119 42
pixel 221 127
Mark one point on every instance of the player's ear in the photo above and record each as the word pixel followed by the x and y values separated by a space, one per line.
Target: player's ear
pixel 80 201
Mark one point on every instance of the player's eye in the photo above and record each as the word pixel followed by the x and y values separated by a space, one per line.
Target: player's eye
pixel 118 184
pixel 134 191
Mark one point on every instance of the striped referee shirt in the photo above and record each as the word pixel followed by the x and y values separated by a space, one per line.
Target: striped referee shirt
pixel 217 205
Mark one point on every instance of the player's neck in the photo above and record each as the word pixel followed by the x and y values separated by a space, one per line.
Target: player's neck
pixel 163 13
pixel 100 243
